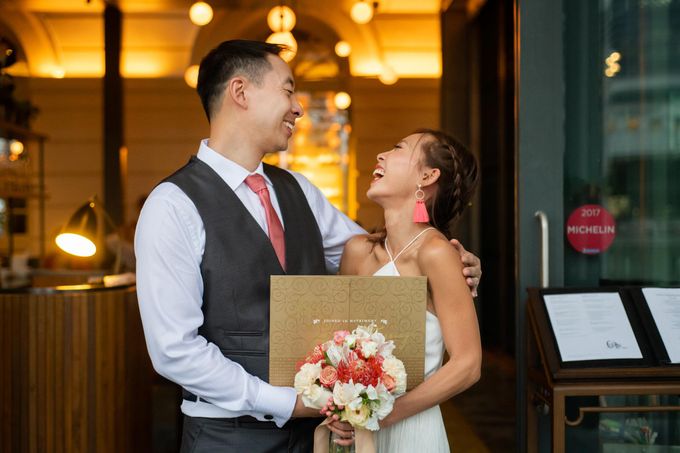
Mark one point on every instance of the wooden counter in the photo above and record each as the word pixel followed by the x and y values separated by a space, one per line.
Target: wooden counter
pixel 74 371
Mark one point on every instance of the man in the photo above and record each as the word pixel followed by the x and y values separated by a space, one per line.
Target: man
pixel 207 241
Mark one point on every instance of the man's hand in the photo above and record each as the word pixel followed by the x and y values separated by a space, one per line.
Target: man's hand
pixel 472 267
pixel 300 410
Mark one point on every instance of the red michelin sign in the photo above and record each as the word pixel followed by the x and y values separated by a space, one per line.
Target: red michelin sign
pixel 591 229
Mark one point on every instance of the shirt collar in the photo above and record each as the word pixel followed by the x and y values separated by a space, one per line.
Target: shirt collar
pixel 232 173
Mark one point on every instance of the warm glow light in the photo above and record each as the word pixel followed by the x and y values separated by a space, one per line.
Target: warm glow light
pixel 76 245
pixel 342 100
pixel 145 64
pixel 191 75
pixel 58 73
pixel 281 18
pixel 388 76
pixel 612 64
pixel 287 39
pixel 343 49
pixel 361 12
pixel 407 64
pixel 200 13
pixel 16 147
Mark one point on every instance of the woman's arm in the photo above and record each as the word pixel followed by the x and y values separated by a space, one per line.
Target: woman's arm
pixel 458 320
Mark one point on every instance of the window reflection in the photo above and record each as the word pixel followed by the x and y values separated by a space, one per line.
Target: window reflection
pixel 623 136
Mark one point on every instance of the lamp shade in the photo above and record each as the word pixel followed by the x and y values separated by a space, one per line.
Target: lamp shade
pixel 79 236
pixel 287 39
pixel 281 18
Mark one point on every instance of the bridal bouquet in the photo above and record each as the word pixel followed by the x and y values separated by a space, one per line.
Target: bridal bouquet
pixel 357 373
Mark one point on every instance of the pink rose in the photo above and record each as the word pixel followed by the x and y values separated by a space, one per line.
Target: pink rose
pixel 388 381
pixel 339 336
pixel 328 376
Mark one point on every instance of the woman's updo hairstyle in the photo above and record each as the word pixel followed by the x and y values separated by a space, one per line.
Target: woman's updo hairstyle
pixel 457 180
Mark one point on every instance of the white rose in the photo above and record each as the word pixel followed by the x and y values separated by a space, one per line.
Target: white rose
pixel 316 396
pixel 357 417
pixel 351 340
pixel 395 368
pixel 369 348
pixel 308 374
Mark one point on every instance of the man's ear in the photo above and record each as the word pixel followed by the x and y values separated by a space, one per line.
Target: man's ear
pixel 236 90
pixel 430 176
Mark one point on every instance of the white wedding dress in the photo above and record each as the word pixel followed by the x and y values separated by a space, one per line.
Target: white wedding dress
pixel 422 432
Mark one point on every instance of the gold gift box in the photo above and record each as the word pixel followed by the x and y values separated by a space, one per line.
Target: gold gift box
pixel 306 310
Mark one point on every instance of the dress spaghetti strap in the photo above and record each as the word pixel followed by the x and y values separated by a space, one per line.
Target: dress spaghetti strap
pixel 387 248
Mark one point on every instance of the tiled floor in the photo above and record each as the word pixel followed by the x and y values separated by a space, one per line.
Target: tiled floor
pixel 482 419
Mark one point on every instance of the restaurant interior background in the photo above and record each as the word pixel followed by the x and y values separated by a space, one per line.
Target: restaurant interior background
pixel 112 128
pixel 100 102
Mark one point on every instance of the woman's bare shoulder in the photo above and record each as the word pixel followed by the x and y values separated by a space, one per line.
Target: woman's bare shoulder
pixel 357 249
pixel 436 250
pixel 361 244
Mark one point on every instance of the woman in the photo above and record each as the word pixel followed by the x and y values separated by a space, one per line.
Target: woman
pixel 423 184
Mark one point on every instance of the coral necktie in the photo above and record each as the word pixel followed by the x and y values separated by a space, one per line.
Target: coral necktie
pixel 258 185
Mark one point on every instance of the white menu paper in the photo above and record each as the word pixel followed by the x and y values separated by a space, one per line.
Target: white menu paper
pixel 664 304
pixel 591 326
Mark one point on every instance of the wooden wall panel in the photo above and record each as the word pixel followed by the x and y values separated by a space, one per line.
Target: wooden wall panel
pixel 76 376
pixel 164 122
pixel 381 116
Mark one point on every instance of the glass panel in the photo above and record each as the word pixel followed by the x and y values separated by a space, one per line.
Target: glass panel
pixel 621 430
pixel 622 64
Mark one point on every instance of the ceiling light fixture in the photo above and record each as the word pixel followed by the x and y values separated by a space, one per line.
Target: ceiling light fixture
pixel 343 49
pixel 342 100
pixel 287 39
pixel 362 12
pixel 201 13
pixel 191 75
pixel 16 147
pixel 388 76
pixel 281 18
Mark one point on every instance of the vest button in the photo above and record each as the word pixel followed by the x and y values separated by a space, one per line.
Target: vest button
pixel 269 417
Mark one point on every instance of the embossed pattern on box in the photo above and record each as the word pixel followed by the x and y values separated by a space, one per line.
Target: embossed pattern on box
pixel 306 310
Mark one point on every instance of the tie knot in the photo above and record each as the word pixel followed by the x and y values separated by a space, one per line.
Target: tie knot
pixel 256 183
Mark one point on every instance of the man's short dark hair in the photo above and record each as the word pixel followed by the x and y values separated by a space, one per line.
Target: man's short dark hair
pixel 235 57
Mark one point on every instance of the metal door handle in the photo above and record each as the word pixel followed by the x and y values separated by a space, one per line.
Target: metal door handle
pixel 543 219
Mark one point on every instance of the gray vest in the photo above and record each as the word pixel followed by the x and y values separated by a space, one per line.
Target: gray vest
pixel 239 259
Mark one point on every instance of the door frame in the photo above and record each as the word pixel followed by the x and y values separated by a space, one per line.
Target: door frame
pixel 539 172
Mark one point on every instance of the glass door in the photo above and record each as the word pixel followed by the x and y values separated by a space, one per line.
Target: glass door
pixel 598 166
pixel 622 86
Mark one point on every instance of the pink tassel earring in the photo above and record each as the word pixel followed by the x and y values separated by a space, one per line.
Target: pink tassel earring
pixel 420 212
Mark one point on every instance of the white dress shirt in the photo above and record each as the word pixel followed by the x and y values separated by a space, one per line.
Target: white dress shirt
pixel 169 244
